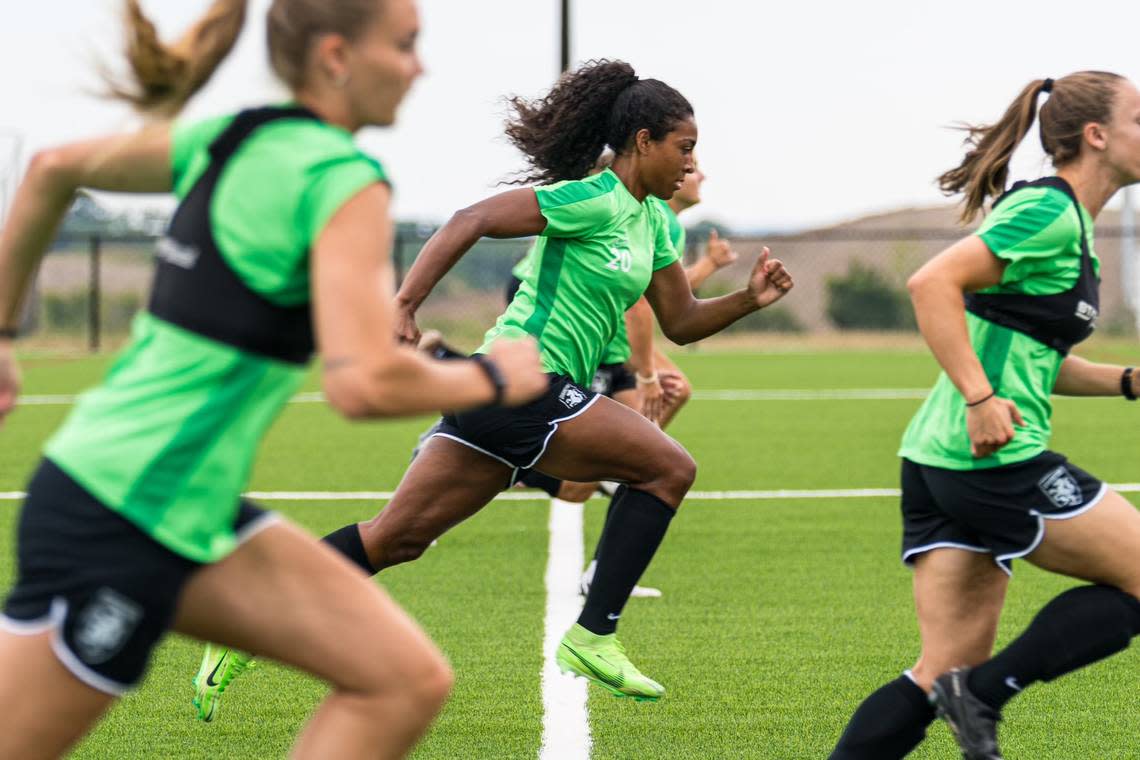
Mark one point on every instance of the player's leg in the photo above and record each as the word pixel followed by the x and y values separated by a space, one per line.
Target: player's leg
pixel 625 393
pixel 954 573
pixel 958 598
pixel 1070 523
pixel 1084 624
pixel 609 441
pixel 92 597
pixel 447 483
pixel 295 600
pixel 46 708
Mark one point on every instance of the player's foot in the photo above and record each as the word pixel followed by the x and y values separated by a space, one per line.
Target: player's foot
pixel 972 721
pixel 642 592
pixel 601 658
pixel 219 667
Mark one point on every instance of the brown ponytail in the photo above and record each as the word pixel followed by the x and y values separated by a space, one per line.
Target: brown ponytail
pixel 164 77
pixel 984 170
pixel 1074 101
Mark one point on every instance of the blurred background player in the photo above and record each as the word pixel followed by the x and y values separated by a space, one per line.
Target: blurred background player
pixel 1001 310
pixel 133 523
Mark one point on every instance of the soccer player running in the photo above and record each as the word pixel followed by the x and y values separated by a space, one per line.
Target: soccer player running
pixel 133 523
pixel 603 244
pixel 1001 310
pixel 656 386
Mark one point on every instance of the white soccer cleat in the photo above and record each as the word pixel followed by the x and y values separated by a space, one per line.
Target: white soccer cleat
pixel 641 592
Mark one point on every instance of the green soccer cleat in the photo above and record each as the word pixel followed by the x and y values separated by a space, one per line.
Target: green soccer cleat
pixel 601 659
pixel 219 667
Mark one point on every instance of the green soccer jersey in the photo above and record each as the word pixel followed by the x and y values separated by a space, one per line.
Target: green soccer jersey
pixel 619 350
pixel 676 229
pixel 592 262
pixel 1036 232
pixel 168 438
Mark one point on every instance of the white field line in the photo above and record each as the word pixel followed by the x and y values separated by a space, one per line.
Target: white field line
pixel 776 495
pixel 565 720
pixel 743 394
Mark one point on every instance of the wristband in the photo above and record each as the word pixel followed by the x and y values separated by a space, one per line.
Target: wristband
pixel 983 399
pixel 1126 384
pixel 9 333
pixel 645 379
pixel 483 362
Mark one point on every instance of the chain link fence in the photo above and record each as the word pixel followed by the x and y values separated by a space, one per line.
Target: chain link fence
pixel 847 278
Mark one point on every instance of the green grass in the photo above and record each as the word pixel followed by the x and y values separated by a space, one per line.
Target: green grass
pixel 778 616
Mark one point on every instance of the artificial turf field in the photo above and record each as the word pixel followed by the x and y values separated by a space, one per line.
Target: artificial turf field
pixel 779 615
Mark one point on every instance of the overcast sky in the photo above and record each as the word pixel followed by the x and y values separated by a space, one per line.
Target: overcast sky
pixel 809 112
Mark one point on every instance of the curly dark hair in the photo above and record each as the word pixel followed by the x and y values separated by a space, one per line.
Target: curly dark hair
pixel 601 103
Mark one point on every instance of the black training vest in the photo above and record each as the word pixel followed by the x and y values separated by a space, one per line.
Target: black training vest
pixel 195 289
pixel 1060 320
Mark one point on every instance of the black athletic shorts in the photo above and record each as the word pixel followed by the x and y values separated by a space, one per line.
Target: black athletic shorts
pixel 999 511
pixel 517 436
pixel 106 590
pixel 613 378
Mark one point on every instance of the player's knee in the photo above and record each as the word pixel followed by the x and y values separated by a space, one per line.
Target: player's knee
pixel 676 473
pixel 434 687
pixel 394 542
pixel 417 684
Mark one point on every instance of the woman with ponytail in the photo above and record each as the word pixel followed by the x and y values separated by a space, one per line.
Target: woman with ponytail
pixel 603 242
pixel 134 523
pixel 1001 311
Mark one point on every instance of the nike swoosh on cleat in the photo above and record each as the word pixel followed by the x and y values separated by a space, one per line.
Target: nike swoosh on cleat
pixel 612 616
pixel 616 681
pixel 210 678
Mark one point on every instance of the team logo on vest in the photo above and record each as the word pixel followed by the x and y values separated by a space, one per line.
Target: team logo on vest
pixel 1087 312
pixel 571 397
pixel 178 254
pixel 1061 488
pixel 104 625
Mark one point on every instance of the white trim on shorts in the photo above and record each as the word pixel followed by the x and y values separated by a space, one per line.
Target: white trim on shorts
pixel 256 525
pixel 940 545
pixel 29 627
pixel 53 622
pixel 554 428
pixel 468 444
pixel 545 442
pixel 1000 559
pixel 1041 518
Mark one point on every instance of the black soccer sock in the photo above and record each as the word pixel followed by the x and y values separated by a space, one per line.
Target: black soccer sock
pixel 631 537
pixel 888 724
pixel 1075 629
pixel 536 479
pixel 609 513
pixel 347 541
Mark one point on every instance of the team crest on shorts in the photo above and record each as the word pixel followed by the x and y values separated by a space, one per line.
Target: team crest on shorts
pixel 104 625
pixel 1061 488
pixel 571 397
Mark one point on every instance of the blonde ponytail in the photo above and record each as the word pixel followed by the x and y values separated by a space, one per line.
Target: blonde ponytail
pixel 164 77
